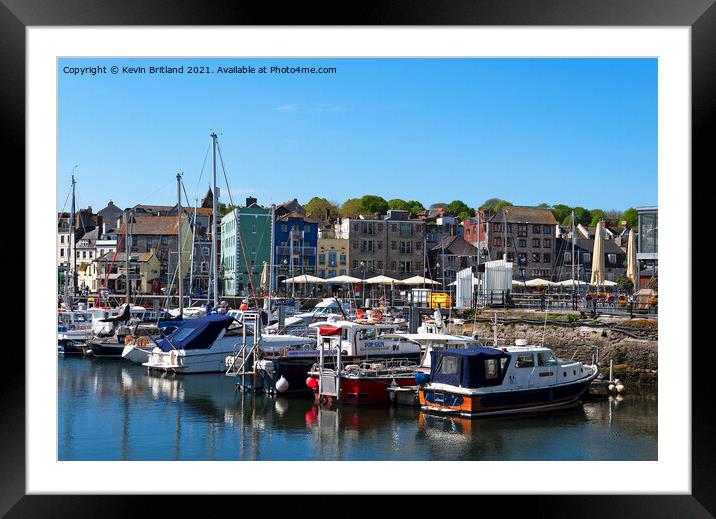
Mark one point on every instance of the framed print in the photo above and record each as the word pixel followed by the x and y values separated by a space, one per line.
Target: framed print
pixel 383 258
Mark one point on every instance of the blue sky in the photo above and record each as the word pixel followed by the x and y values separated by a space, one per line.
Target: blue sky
pixel 582 132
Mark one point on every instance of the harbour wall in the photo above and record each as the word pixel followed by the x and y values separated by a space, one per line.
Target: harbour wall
pixel 632 345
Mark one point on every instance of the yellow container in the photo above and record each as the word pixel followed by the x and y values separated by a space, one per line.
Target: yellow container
pixel 441 299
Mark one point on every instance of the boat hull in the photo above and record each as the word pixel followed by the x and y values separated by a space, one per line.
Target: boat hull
pixel 106 349
pixel 136 355
pixel 68 347
pixel 405 395
pixel 370 390
pixel 295 368
pixel 500 403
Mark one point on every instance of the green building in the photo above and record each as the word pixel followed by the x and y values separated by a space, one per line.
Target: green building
pixel 249 227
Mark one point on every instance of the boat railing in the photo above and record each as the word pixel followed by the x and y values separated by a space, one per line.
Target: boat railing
pixel 236 363
pixel 386 367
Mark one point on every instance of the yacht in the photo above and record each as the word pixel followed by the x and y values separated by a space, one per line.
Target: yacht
pixel 483 381
pixel 201 345
pixel 74 328
pixel 301 322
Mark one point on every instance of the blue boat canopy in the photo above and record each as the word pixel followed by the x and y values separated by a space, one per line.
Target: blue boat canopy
pixel 196 334
pixel 468 367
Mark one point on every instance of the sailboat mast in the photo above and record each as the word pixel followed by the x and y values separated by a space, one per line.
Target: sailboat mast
pixel 191 258
pixel 271 259
pixel 73 247
pixel 215 212
pixel 128 248
pixel 179 249
pixel 574 237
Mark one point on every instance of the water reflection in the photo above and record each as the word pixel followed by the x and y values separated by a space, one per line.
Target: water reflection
pixel 110 409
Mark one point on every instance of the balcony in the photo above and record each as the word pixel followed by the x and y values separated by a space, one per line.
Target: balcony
pixel 297 251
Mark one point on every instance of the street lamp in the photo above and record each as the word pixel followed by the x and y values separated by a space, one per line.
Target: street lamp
pixel 442 283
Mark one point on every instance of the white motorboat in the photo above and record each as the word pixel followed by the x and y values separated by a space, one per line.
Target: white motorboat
pixel 202 345
pixel 300 322
pixel 73 330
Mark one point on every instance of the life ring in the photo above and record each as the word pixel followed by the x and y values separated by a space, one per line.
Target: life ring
pixel 128 340
pixel 377 315
pixel 359 313
pixel 141 342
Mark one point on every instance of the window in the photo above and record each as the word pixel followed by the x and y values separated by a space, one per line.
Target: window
pixel 62 253
pixel 380 265
pixel 587 257
pixel 332 259
pixel 509 242
pixel 405 266
pixel 547 243
pixel 366 246
pixel 321 259
pixel 535 243
pixel 62 238
pixel 546 258
pixel 567 257
pixel 342 272
pixel 343 259
pixel 393 265
pixel 535 257
pixel 510 256
pixel 537 229
pixel 406 247
pixel 406 229
pixel 612 258
pixel 497 241
pixel 393 245
pixel 491 370
pixel 253 228
pixel 284 227
pixel 525 360
pixel 448 365
pixel 355 244
pixel 546 359
pixel 498 227
pixel 547 229
pixel 367 228
pixel 522 230
pixel 522 243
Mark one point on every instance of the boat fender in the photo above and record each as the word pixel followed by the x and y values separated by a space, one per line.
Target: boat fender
pixel 611 387
pixel 312 383
pixel 141 342
pixel 282 385
pixel 128 340
pixel 174 357
pixel 422 378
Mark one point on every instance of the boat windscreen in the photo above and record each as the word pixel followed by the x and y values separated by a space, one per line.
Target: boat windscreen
pixel 468 367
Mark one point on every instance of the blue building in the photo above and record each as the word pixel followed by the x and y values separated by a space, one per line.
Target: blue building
pixel 295 242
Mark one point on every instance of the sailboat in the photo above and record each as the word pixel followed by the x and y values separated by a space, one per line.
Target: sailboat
pixel 201 345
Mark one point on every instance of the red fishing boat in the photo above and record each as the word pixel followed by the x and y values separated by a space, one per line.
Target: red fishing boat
pixel 368 382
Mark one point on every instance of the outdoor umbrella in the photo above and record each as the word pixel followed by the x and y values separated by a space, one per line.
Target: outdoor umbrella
pixel 608 283
pixel 342 279
pixel 381 280
pixel 304 279
pixel 518 283
pixel 264 277
pixel 598 257
pixel 570 282
pixel 539 282
pixel 419 280
pixel 632 266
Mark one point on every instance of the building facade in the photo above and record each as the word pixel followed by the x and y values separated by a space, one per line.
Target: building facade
pixel 333 253
pixel 245 247
pixel 648 244
pixel 393 245
pixel 526 235
pixel 295 245
pixel 614 259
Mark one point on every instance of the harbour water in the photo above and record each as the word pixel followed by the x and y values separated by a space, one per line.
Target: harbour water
pixel 114 410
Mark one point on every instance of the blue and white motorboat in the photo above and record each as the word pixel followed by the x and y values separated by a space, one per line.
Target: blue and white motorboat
pixel 485 381
pixel 74 328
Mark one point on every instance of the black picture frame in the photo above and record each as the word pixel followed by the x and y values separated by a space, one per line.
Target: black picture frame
pixel 16 15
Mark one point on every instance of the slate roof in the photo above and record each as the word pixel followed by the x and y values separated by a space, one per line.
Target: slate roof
pixel 525 214
pixel 455 245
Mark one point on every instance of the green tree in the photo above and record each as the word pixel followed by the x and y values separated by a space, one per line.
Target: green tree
pixel 321 208
pixel 373 204
pixel 437 204
pixel 561 211
pixel 223 208
pixel 597 216
pixel 501 204
pixel 489 205
pixel 351 207
pixel 654 283
pixel 545 205
pixel 631 217
pixel 415 207
pixel 582 215
pixel 460 209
